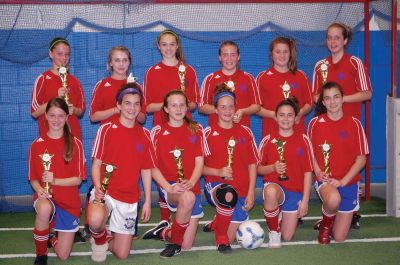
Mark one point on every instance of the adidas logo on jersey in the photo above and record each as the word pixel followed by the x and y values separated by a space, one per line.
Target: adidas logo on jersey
pixel 215 133
pixel 40 140
pixel 270 73
pixel 114 126
pixel 166 132
pixel 75 222
pixel 48 77
pixel 107 84
pixel 217 76
pixel 157 67
pixel 274 141
pixel 322 120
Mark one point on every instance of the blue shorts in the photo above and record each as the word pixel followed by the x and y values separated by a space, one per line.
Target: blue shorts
pixel 197 211
pixel 65 222
pixel 239 214
pixel 291 199
pixel 348 194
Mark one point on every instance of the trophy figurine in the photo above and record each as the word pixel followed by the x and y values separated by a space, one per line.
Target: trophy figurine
pixel 131 79
pixel 323 68
pixel 326 151
pixel 108 171
pixel 182 73
pixel 231 85
pixel 280 147
pixel 286 90
pixel 63 73
pixel 178 155
pixel 231 150
pixel 46 162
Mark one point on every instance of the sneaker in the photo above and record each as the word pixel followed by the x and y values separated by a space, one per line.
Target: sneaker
pixel 51 236
pixel 170 251
pixel 40 260
pixel 155 232
pixel 324 236
pixel 86 234
pixel 79 239
pixel 99 252
pixel 317 224
pixel 208 227
pixel 224 249
pixel 355 222
pixel 274 239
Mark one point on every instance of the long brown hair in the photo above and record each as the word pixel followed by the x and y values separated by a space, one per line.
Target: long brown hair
pixel 193 126
pixel 179 52
pixel 319 106
pixel 291 43
pixel 67 135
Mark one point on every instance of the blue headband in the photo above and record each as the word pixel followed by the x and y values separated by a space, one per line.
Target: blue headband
pixel 129 90
pixel 223 94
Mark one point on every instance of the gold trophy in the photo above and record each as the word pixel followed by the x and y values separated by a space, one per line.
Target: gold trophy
pixel 231 150
pixel 326 151
pixel 182 73
pixel 286 90
pixel 323 68
pixel 63 73
pixel 178 155
pixel 280 147
pixel 108 171
pixel 231 85
pixel 46 162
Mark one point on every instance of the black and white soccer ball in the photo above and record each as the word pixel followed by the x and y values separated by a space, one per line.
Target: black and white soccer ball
pixel 250 235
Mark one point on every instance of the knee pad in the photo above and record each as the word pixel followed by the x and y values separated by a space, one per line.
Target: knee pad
pixel 220 195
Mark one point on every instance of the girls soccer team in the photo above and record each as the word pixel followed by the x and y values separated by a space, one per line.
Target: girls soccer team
pixel 178 151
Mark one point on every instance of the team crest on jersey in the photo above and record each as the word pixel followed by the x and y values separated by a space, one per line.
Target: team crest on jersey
pixel 215 133
pixel 139 147
pixel 129 223
pixel 107 84
pixel 193 139
pixel 243 88
pixel 242 140
pixel 294 85
pixel 341 76
pixel 299 151
pixel 166 132
pixel 343 135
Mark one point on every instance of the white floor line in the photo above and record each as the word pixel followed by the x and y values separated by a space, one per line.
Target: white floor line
pixel 202 248
pixel 201 222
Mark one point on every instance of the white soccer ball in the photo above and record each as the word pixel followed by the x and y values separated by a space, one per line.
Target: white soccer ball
pixel 250 235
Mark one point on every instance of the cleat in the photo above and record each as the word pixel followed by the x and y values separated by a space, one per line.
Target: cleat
pixel 155 232
pixel 324 236
pixel 355 222
pixel 99 252
pixel 224 249
pixel 208 227
pixel 86 234
pixel 78 238
pixel 170 251
pixel 51 236
pixel 40 260
pixel 317 224
pixel 274 239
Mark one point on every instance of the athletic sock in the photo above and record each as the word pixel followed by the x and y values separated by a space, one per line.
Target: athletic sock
pixel 272 219
pixel 41 237
pixel 222 220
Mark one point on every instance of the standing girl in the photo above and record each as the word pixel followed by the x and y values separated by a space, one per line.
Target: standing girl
pixel 56 159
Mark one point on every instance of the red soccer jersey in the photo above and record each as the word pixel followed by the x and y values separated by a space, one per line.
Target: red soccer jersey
pixel 129 150
pixel 160 79
pixel 46 87
pixel 270 83
pixel 245 153
pixel 347 139
pixel 104 97
pixel 350 73
pixel 298 158
pixel 65 197
pixel 166 139
pixel 246 92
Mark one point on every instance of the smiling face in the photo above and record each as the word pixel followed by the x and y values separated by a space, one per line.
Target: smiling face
pixel 176 108
pixel 129 108
pixel 335 40
pixel 225 109
pixel 119 63
pixel 280 56
pixel 168 46
pixel 56 117
pixel 60 55
pixel 285 117
pixel 229 58
pixel 333 101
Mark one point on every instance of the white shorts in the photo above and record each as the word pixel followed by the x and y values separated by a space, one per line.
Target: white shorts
pixel 122 216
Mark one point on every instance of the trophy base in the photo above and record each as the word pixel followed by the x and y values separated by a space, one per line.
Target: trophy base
pixel 99 202
pixel 227 178
pixel 283 178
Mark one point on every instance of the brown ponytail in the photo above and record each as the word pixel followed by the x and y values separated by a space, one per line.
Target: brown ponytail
pixel 291 43
pixel 179 52
pixel 347 32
